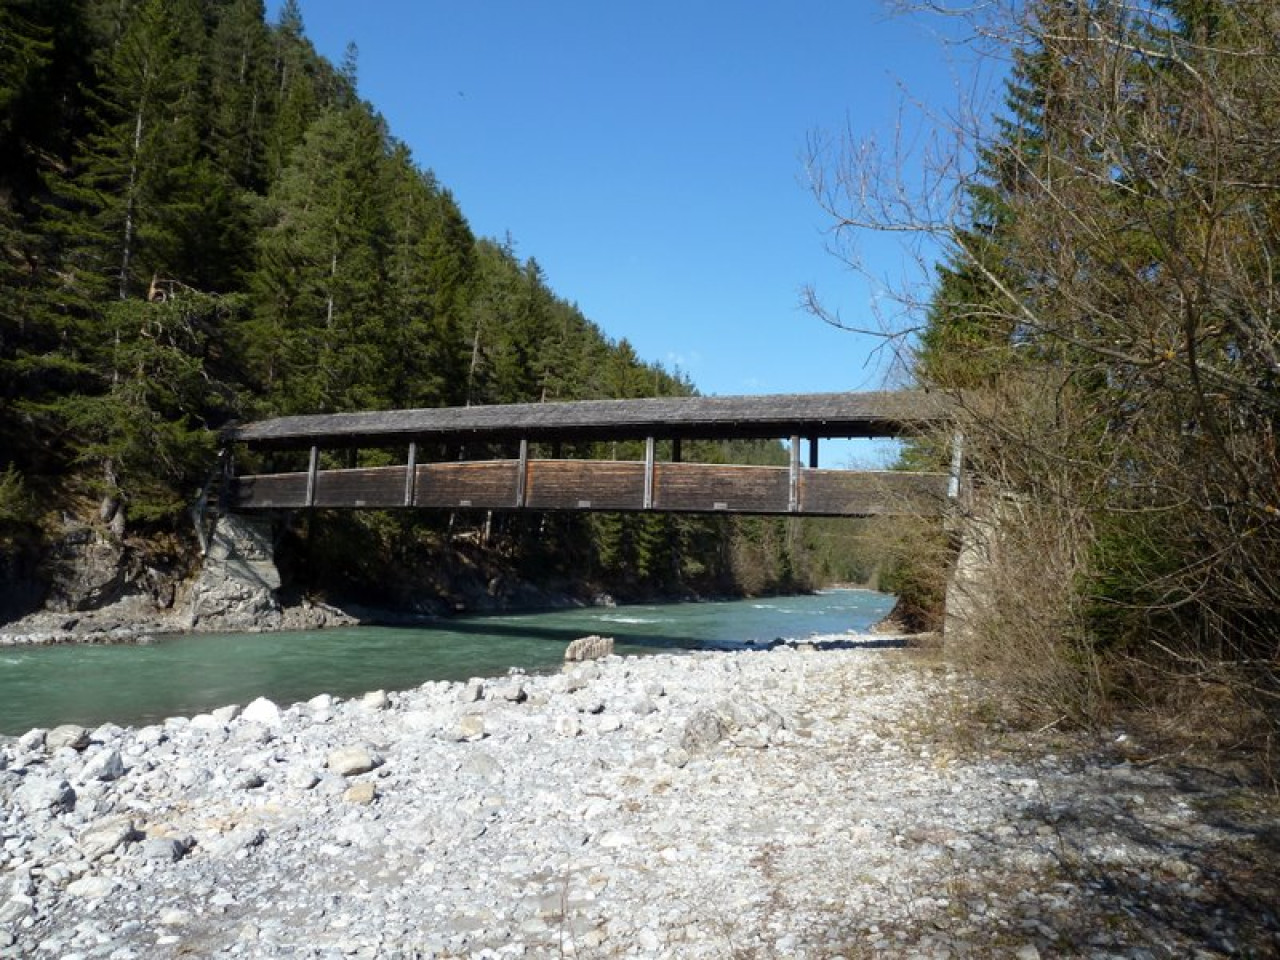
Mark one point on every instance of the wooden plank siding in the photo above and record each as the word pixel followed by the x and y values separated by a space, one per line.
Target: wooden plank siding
pixel 869 493
pixel 610 485
pixel 269 491
pixel 704 487
pixel 370 487
pixel 586 485
pixel 481 484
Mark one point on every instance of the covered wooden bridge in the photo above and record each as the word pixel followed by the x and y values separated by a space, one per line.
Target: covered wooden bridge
pixel 521 480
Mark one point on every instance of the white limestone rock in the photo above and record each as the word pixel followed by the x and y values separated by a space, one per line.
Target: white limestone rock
pixel 67 735
pixel 106 836
pixel 44 795
pixel 91 887
pixel 375 700
pixel 103 765
pixel 470 726
pixel 593 647
pixel 164 849
pixel 353 760
pixel 33 739
pixel 262 711
pixel 322 702
pixel 568 725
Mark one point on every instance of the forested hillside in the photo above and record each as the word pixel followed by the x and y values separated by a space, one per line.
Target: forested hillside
pixel 1107 309
pixel 201 221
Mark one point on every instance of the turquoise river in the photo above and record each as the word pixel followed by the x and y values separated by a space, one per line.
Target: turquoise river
pixel 191 673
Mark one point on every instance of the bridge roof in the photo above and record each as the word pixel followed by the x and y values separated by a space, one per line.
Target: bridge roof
pixel 873 414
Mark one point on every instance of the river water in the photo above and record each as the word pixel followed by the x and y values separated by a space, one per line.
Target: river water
pixel 193 673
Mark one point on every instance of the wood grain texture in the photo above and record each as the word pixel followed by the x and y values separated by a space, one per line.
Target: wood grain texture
pixel 486 485
pixel 872 414
pixel 586 485
pixel 612 485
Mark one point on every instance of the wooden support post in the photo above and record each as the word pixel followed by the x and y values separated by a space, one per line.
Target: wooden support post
pixel 648 472
pixel 957 462
pixel 676 450
pixel 813 453
pixel 411 475
pixel 312 469
pixel 228 482
pixel 522 478
pixel 793 487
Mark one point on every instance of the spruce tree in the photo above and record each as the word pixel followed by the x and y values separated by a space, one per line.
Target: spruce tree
pixel 319 338
pixel 431 277
pixel 138 178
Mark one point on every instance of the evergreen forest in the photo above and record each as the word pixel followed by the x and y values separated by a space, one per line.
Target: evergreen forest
pixel 201 222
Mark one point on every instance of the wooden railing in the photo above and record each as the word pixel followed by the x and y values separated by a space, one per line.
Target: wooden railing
pixel 601 485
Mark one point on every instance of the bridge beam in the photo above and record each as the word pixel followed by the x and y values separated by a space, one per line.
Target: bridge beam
pixel 313 467
pixel 793 478
pixel 411 474
pixel 649 448
pixel 522 473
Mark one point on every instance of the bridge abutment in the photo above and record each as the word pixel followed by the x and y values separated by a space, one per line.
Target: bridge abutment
pixel 237 585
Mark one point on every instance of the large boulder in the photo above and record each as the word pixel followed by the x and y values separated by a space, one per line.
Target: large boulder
pixel 353 760
pixel 744 721
pixel 44 795
pixel 106 836
pixel 106 764
pixel 67 735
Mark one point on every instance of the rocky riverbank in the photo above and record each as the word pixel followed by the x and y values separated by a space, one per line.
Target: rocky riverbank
pixel 829 800
pixel 103 593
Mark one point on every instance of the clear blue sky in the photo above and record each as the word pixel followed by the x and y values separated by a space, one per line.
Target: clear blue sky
pixel 650 156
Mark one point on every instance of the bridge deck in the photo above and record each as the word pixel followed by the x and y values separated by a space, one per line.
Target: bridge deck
pixel 573 485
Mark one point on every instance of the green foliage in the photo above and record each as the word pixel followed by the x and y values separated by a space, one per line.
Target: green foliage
pixel 147 433
pixel 318 340
pixel 17 507
pixel 1134 579
pixel 201 221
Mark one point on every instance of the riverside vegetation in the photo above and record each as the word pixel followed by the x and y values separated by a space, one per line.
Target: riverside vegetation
pixel 1104 313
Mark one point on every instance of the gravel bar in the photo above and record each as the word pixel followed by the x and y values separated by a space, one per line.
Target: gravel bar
pixel 830 799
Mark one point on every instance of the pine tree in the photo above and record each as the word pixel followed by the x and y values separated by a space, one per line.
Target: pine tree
pixel 242 105
pixel 44 65
pixel 25 54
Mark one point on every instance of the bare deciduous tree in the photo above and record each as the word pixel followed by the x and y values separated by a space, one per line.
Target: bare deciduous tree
pixel 1108 290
